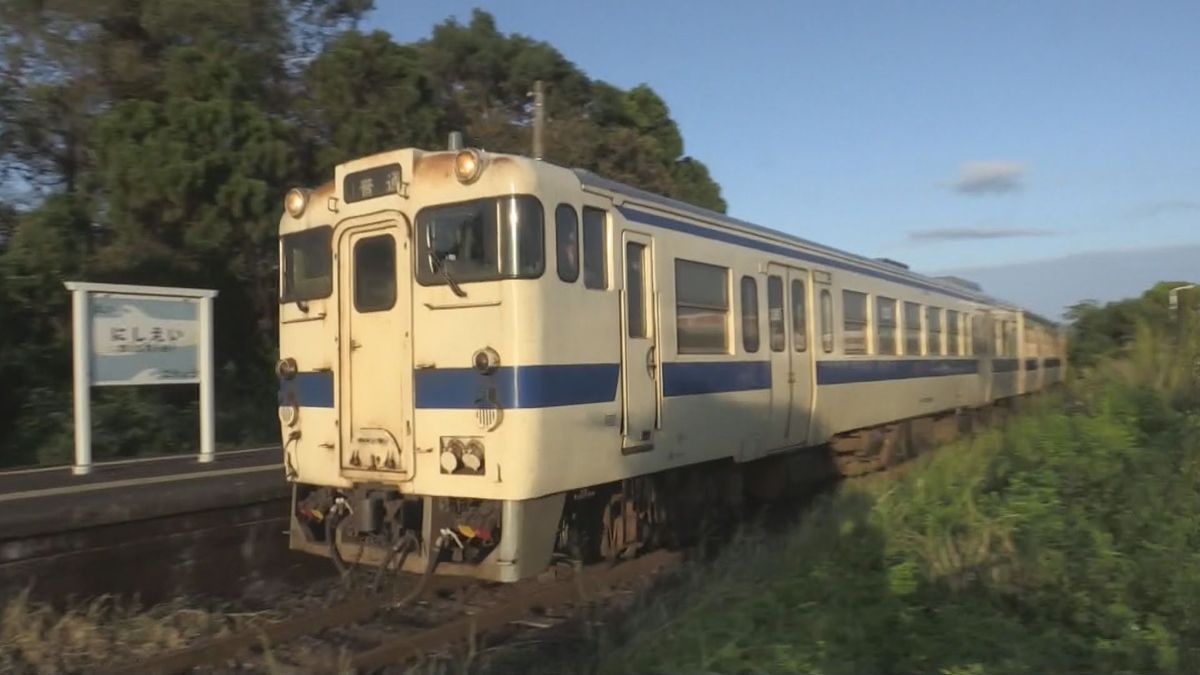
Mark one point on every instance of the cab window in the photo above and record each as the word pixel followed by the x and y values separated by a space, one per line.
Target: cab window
pixel 307 265
pixel 480 240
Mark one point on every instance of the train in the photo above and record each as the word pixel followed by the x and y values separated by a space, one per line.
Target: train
pixel 488 362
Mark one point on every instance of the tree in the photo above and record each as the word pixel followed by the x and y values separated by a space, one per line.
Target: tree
pixel 368 94
pixel 147 141
pixel 150 141
pixel 1098 331
pixel 484 78
pixel 66 62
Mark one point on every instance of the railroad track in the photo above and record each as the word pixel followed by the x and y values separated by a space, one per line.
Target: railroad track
pixel 384 638
pixel 373 634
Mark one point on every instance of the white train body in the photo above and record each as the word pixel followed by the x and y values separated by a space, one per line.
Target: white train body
pixel 438 342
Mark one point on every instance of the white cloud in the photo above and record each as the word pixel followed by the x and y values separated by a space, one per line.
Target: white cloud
pixel 1165 207
pixel 969 233
pixel 981 178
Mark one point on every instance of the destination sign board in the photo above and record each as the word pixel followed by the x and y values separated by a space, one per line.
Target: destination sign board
pixel 370 183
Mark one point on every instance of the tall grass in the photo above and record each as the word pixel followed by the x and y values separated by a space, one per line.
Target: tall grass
pixel 1066 542
pixel 35 637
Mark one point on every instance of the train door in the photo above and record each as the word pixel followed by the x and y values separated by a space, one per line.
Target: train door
pixel 787 343
pixel 374 349
pixel 639 344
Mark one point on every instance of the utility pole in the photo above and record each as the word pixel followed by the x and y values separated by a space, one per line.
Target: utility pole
pixel 1173 298
pixel 539 120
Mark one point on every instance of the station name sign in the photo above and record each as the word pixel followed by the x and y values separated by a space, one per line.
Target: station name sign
pixel 144 340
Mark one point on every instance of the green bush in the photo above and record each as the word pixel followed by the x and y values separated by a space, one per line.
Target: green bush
pixel 1067 541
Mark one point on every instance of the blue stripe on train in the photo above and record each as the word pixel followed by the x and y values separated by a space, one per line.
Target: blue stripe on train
pixel 310 390
pixel 1005 365
pixel 517 386
pixel 849 372
pixel 712 377
pixel 549 386
pixel 1031 364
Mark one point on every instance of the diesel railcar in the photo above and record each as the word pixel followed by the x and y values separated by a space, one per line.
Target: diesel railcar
pixel 486 359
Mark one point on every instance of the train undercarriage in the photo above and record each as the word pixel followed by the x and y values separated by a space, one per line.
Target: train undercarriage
pixel 507 540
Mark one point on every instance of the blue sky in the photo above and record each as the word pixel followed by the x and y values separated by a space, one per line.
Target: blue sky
pixel 947 135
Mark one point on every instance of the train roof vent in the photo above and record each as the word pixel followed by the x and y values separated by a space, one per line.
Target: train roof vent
pixel 893 263
pixel 962 283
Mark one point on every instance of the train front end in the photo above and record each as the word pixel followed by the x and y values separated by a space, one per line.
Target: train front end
pixel 398 314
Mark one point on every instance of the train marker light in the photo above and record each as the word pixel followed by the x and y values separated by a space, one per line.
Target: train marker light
pixel 486 360
pixel 286 368
pixel 295 202
pixel 467 165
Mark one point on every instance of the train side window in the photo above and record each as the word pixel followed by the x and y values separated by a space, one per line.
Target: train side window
pixel 912 329
pixel 826 321
pixel 701 308
pixel 799 316
pixel 635 288
pixel 967 345
pixel 750 329
pixel 933 331
pixel 952 332
pixel 595 248
pixel 885 325
pixel 775 327
pixel 854 322
pixel 979 336
pixel 566 226
pixel 375 273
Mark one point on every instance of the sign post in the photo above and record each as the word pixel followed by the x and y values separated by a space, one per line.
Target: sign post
pixel 140 335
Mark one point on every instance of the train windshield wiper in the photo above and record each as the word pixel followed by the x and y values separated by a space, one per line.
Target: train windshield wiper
pixel 452 283
pixel 439 265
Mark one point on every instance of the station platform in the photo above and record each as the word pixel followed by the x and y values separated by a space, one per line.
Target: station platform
pixel 53 499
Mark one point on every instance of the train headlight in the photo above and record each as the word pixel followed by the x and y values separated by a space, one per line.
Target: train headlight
pixel 452 450
pixel 295 202
pixel 289 414
pixel 486 360
pixel 449 462
pixel 468 164
pixel 472 456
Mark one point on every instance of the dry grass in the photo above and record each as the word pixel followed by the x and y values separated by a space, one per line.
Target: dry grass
pixel 36 638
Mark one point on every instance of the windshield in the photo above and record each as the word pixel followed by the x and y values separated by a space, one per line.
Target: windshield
pixel 306 260
pixel 481 240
